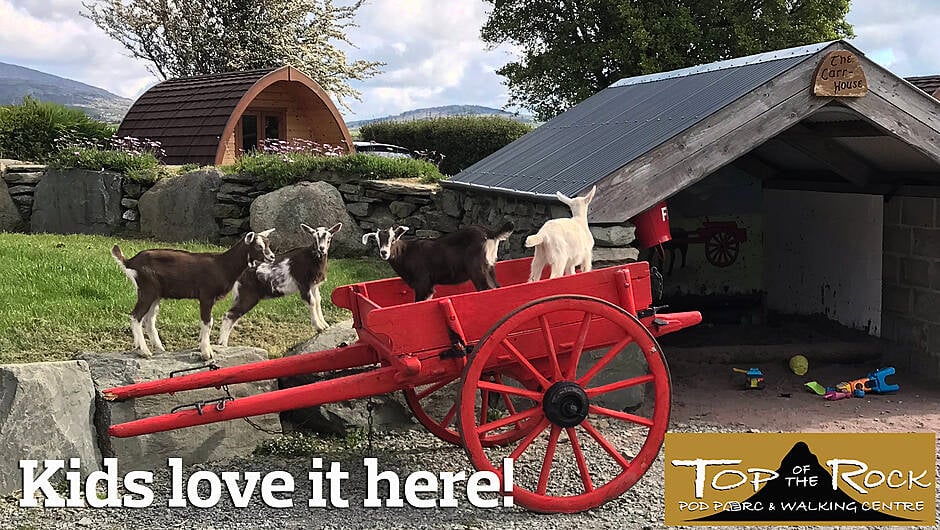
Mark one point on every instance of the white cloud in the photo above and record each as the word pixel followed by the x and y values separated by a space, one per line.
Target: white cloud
pixel 52 37
pixel 901 36
pixel 431 48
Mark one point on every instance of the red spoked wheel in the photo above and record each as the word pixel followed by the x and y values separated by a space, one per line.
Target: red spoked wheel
pixel 435 406
pixel 721 249
pixel 588 357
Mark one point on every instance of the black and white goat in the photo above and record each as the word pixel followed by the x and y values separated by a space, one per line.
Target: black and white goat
pixel 301 270
pixel 177 274
pixel 467 254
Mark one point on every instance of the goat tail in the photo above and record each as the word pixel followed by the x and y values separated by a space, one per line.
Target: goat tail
pixel 118 256
pixel 502 234
pixel 534 240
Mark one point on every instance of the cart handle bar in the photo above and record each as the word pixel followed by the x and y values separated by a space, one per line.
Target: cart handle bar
pixel 374 382
pixel 352 356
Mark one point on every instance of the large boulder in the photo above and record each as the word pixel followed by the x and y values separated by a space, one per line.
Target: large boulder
pixel 312 203
pixel 389 411
pixel 199 444
pixel 182 208
pixel 77 201
pixel 46 412
pixel 10 219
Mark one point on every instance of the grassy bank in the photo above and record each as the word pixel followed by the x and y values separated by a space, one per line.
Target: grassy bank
pixel 64 294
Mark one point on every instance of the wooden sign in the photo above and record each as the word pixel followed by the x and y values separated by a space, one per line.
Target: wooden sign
pixel 840 75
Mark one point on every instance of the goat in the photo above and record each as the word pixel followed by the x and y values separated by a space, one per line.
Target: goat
pixel 301 270
pixel 564 243
pixel 177 274
pixel 467 254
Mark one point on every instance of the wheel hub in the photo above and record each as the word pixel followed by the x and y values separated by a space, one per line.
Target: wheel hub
pixel 565 404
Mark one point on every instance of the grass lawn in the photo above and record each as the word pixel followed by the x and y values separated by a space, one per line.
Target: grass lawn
pixel 65 294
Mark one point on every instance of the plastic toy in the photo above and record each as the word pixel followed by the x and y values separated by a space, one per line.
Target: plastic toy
pixel 877 381
pixel 799 365
pixel 815 387
pixel 834 395
pixel 874 382
pixel 754 378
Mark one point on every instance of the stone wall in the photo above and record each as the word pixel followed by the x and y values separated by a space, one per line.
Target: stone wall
pixel 427 209
pixel 21 180
pixel 911 282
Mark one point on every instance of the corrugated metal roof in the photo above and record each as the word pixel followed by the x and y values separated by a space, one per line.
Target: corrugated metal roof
pixel 581 146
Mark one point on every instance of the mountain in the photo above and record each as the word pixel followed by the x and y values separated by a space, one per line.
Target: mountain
pixel 17 82
pixel 439 112
pixel 778 500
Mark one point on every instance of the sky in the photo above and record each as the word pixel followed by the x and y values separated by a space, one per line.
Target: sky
pixel 432 49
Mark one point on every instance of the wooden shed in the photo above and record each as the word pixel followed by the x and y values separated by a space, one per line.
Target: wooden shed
pixel 212 119
pixel 802 184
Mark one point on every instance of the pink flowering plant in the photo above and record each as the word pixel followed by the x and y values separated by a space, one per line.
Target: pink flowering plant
pixel 283 162
pixel 135 158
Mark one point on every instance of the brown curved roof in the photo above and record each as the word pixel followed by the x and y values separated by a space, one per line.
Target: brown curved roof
pixel 190 116
pixel 928 83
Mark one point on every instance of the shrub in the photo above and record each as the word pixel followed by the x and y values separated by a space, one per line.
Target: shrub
pixel 29 131
pixel 463 140
pixel 136 166
pixel 280 170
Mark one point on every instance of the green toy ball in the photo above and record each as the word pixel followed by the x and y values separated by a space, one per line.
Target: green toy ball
pixel 799 365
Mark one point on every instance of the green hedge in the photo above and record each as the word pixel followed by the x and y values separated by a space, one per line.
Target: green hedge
pixel 463 140
pixel 280 170
pixel 34 130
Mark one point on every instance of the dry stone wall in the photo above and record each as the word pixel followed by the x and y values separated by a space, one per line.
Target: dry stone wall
pixel 429 210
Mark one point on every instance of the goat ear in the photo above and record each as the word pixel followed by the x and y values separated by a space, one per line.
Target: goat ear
pixel 400 231
pixel 365 237
pixel 336 228
pixel 307 228
pixel 249 238
pixel 590 196
pixel 266 233
pixel 563 198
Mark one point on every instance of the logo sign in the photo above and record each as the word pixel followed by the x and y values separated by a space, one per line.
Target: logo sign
pixel 826 479
pixel 840 74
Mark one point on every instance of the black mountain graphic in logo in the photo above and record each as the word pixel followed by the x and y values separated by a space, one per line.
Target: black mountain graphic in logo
pixel 801 503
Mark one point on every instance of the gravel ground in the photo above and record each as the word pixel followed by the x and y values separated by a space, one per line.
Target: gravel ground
pixel 404 452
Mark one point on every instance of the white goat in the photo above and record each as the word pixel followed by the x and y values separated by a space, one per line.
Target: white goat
pixel 564 243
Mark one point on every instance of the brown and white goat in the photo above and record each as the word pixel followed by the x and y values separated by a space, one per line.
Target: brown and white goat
pixel 301 270
pixel 467 254
pixel 564 243
pixel 177 274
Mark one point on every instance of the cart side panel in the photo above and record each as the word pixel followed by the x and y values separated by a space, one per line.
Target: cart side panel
pixel 420 327
pixel 394 291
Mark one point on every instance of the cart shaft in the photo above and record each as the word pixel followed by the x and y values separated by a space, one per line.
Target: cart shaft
pixel 352 356
pixel 375 382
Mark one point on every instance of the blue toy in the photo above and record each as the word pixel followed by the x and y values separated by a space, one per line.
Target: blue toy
pixel 877 384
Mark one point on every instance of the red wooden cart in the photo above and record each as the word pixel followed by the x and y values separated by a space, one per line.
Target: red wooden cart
pixel 535 364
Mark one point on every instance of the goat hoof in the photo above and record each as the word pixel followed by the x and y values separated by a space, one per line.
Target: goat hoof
pixel 145 354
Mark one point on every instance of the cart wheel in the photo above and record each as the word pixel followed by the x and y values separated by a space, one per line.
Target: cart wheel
pixel 565 342
pixel 721 249
pixel 443 424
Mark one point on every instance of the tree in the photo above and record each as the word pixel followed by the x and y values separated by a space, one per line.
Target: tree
pixel 572 49
pixel 181 38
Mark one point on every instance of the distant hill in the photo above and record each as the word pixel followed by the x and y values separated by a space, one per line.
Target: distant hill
pixel 448 110
pixel 17 82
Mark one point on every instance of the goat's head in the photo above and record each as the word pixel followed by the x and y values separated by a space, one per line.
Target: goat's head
pixel 258 248
pixel 578 205
pixel 385 238
pixel 324 235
